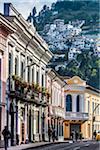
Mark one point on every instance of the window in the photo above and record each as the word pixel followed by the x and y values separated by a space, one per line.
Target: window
pixel 78 103
pixel 22 69
pixel 10 62
pixel 33 74
pixel 16 66
pixel 28 74
pixel 42 80
pixel 37 77
pixel 68 103
pixel 60 129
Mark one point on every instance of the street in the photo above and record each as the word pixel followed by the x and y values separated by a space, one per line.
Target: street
pixel 91 145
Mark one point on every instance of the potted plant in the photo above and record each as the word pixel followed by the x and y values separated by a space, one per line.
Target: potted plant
pixel 37 87
pixel 44 90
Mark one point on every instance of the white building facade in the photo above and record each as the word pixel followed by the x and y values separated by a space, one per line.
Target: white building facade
pixel 56 108
pixel 28 56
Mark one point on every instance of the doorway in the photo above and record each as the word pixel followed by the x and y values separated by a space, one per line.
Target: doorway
pixel 75 127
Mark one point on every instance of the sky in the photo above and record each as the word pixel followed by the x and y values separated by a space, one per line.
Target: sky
pixel 25 6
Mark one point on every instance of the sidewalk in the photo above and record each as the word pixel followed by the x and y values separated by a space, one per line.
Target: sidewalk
pixel 25 146
pixel 37 144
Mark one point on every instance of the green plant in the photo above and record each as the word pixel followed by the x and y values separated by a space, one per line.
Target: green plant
pixel 37 87
pixel 44 90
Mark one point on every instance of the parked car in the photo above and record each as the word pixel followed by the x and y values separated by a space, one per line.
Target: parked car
pixel 98 136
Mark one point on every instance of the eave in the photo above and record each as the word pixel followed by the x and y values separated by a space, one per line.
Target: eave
pixel 4 23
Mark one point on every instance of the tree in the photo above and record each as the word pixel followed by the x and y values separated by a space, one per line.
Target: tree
pixel 34 11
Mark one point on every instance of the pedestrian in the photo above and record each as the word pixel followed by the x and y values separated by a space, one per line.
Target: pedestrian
pixel 6 134
pixel 80 135
pixel 53 134
pixel 94 134
pixel 73 135
pixel 76 135
pixel 49 133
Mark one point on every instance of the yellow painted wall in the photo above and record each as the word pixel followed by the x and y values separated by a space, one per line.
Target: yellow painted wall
pixel 90 94
pixel 66 130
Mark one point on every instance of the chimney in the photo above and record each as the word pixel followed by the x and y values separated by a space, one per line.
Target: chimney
pixel 7 9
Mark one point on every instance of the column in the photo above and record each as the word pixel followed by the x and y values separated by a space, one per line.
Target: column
pixel 82 103
pixel 19 127
pixel 74 102
pixel 25 68
pixel 14 101
pixel 33 107
pixel 13 60
pixel 19 66
pixel 40 123
pixel 31 74
pixel 40 76
pixel 26 125
pixel 30 124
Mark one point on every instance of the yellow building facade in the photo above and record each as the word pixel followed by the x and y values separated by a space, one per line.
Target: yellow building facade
pixel 82 108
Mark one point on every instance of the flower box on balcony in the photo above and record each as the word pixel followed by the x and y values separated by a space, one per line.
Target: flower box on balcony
pixel 37 88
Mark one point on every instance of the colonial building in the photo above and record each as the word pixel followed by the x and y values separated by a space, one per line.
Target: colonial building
pixel 56 109
pixel 26 98
pixel 82 103
pixel 6 28
pixel 92 107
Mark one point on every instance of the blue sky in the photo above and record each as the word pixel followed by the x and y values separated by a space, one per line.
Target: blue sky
pixel 25 6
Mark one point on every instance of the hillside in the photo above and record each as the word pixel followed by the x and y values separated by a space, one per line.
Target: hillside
pixel 70 39
pixel 70 11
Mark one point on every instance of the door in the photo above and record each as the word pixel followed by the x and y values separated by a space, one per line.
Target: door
pixel 75 127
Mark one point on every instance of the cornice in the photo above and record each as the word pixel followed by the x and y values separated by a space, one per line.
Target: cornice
pixel 30 35
pixel 7 24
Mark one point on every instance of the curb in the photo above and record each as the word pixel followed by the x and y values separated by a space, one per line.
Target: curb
pixel 46 144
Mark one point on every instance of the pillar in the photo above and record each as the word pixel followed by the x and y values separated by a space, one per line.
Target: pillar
pixel 40 123
pixel 82 103
pixel 19 60
pixel 26 124
pixel 33 138
pixel 19 123
pixel 74 102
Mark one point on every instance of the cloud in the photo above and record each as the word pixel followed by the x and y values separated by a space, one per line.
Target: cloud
pixel 25 6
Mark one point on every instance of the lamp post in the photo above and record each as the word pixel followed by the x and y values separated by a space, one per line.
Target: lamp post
pixel 93 119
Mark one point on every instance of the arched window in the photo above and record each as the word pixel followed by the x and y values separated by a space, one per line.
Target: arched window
pixel 78 103
pixel 68 103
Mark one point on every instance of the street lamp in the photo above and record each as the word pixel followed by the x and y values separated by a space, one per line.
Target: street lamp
pixel 93 119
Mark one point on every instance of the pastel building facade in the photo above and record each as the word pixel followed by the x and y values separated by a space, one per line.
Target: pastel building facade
pixel 56 109
pixel 92 97
pixel 6 29
pixel 80 103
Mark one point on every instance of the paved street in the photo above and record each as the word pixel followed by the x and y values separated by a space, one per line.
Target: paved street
pixel 91 145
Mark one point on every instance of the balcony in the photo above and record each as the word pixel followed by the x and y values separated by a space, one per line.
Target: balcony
pixel 76 116
pixel 58 112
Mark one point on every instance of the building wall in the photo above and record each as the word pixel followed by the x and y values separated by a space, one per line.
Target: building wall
pixel 25 56
pixel 92 100
pixel 5 31
pixel 23 48
pixel 56 113
pixel 89 100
